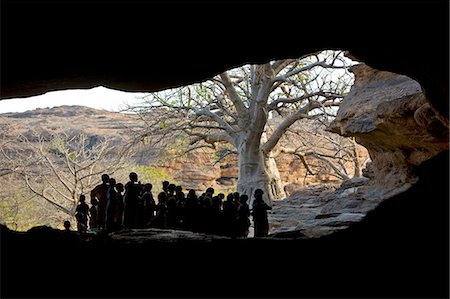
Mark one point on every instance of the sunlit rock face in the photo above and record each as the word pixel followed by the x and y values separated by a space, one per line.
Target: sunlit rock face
pixel 389 115
pixel 321 210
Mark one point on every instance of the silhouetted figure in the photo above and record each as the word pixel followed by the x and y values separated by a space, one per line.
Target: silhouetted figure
pixel 160 219
pixel 165 186
pixel 67 226
pixel 243 214
pixel 180 206
pixel 100 193
pixel 149 202
pixel 172 216
pixel 215 216
pixel 118 214
pixel 191 211
pixel 81 214
pixel 236 198
pixel 111 205
pixel 206 221
pixel 229 217
pixel 140 209
pixel 93 215
pixel 171 189
pixel 131 198
pixel 259 213
pixel 221 196
pixel 210 191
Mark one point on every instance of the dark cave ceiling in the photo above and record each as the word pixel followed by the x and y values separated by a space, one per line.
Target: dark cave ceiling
pixel 147 46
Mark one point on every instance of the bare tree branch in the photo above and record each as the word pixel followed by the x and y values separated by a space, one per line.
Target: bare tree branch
pixel 234 97
pixel 213 116
pixel 40 194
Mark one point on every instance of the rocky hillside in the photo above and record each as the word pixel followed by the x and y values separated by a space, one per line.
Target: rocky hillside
pixel 120 128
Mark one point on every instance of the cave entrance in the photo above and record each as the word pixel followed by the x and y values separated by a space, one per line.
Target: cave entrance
pixel 164 132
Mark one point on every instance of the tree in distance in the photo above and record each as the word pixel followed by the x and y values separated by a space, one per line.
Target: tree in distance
pixel 235 107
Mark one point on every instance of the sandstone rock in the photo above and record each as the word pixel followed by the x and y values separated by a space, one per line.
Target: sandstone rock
pixel 354 182
pixel 390 116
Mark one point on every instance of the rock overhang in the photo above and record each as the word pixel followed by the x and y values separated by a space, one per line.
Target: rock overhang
pixel 132 47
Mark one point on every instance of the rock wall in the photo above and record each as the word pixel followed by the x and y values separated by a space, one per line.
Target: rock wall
pixel 389 115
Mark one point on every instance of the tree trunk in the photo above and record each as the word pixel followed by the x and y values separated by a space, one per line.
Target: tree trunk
pixel 275 184
pixel 255 171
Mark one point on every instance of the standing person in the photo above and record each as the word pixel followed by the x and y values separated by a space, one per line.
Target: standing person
pixel 160 219
pixel 149 204
pixel 259 213
pixel 81 214
pixel 100 193
pixel 191 210
pixel 131 199
pixel 229 215
pixel 165 186
pixel 93 215
pixel 67 226
pixel 118 215
pixel 111 205
pixel 243 214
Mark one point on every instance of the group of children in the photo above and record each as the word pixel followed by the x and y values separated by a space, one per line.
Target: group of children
pixel 115 206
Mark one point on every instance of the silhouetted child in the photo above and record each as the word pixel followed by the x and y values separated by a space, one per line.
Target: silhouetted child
pixel 243 214
pixel 81 214
pixel 93 215
pixel 259 212
pixel 149 203
pixel 160 219
pixel 67 226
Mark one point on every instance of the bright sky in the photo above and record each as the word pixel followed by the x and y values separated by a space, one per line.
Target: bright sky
pixel 98 97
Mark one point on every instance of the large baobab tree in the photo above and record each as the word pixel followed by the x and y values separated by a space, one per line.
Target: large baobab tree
pixel 234 107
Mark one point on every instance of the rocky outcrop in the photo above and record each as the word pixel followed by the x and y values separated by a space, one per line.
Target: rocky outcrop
pixel 389 115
